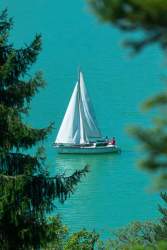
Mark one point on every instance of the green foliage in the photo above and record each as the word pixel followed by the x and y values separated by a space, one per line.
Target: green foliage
pixel 27 192
pixel 154 140
pixel 57 234
pixel 162 245
pixel 82 240
pixel 148 16
pixel 135 234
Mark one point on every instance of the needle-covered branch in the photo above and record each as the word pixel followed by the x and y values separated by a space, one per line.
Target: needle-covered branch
pixel 148 17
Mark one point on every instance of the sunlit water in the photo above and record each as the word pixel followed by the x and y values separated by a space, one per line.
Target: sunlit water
pixel 115 191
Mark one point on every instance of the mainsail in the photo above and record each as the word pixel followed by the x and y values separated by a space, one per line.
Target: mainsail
pixel 79 124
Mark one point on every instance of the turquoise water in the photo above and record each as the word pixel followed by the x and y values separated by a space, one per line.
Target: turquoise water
pixel 115 192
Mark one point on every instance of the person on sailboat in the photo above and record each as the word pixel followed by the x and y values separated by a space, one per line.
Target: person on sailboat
pixel 113 141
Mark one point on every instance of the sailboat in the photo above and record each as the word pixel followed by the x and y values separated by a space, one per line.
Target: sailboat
pixel 79 132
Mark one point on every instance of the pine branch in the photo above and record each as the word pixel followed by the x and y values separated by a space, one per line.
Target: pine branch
pixel 66 185
pixel 164 197
pixel 133 15
pixel 15 134
pixel 5 26
pixel 21 92
pixel 13 164
pixel 156 102
pixel 37 192
pixel 18 62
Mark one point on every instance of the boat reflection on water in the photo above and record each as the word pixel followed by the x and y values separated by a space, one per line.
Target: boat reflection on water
pixel 91 194
pixel 69 163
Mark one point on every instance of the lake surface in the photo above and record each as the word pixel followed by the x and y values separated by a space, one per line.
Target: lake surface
pixel 115 192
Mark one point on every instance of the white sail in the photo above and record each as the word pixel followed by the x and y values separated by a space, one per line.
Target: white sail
pixel 79 123
pixel 69 131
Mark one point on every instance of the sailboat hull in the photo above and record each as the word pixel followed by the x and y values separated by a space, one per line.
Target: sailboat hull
pixel 88 150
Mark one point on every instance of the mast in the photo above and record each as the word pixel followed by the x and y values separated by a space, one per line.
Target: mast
pixel 83 136
pixel 79 72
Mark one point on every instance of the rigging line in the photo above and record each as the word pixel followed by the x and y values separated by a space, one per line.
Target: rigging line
pixel 83 130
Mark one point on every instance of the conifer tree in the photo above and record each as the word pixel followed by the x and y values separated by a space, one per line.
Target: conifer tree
pixel 27 191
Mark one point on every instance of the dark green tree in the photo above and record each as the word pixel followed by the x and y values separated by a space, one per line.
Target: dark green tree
pixel 27 192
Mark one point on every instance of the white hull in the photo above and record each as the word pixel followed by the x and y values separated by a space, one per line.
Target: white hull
pixel 88 149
